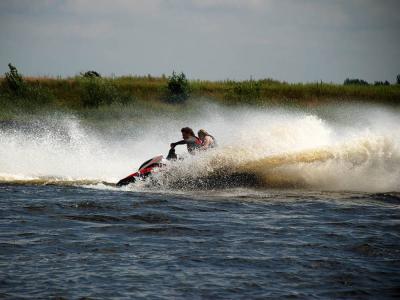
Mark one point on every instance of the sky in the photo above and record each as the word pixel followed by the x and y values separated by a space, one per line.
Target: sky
pixel 289 40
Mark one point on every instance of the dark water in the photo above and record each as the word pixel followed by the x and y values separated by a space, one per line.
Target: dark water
pixel 73 242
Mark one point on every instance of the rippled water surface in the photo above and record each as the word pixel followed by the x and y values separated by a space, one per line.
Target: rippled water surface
pixel 72 242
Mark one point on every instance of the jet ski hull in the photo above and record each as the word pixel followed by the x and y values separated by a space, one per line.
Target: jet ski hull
pixel 147 168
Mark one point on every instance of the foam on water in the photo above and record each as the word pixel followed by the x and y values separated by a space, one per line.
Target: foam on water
pixel 337 148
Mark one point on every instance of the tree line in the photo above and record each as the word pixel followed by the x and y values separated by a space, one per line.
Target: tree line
pixel 356 81
pixel 94 89
pixel 90 89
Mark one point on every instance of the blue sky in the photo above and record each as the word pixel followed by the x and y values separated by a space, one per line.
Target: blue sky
pixel 291 40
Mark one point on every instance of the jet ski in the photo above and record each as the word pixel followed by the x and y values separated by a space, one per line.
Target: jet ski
pixel 148 168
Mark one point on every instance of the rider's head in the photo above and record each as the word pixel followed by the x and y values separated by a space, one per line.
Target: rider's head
pixel 187 133
pixel 202 133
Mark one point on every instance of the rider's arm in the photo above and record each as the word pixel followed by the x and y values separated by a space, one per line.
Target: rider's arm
pixel 183 142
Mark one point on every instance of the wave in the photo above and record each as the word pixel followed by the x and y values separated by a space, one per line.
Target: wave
pixel 365 165
pixel 48 180
pixel 362 165
pixel 342 148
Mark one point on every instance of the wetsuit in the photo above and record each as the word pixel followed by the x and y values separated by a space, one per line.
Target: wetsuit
pixel 193 143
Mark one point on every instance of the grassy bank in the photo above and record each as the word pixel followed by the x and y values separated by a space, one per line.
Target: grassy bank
pixel 79 93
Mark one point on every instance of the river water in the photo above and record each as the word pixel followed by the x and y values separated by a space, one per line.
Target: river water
pixel 293 203
pixel 71 242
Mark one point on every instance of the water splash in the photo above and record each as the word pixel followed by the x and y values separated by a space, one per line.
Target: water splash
pixel 341 147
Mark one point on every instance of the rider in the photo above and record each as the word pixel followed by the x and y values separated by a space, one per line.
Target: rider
pixel 192 142
pixel 207 140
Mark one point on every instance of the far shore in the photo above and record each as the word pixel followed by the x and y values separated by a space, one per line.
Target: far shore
pixel 75 93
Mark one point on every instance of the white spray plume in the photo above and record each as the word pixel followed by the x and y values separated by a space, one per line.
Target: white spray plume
pixel 362 142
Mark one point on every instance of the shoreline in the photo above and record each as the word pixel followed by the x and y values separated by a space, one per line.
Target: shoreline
pixel 69 94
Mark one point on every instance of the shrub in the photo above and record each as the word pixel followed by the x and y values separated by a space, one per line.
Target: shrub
pixel 178 89
pixel 14 81
pixel 382 83
pixel 38 95
pixel 97 91
pixel 355 82
pixel 91 74
pixel 244 91
pixel 27 93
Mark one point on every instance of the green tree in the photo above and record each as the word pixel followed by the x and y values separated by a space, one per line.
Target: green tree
pixel 355 81
pixel 91 74
pixel 178 89
pixel 29 94
pixel 14 81
pixel 382 82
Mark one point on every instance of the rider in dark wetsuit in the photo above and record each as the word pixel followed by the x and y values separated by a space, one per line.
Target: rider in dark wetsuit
pixel 189 139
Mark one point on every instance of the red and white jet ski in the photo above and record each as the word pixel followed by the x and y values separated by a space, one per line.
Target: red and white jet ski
pixel 147 168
